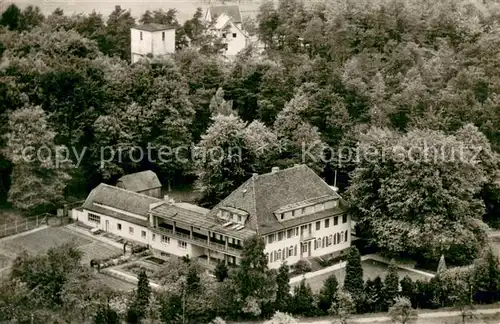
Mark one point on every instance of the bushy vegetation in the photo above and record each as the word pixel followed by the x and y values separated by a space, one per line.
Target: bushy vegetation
pixel 58 286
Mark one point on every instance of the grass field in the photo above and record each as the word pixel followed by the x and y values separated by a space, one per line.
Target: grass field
pixel 371 269
pixel 41 241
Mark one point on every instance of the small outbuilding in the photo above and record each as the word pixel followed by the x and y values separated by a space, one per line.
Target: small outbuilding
pixel 145 182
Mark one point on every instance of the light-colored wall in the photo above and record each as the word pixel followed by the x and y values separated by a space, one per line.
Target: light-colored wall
pixel 172 247
pixel 234 45
pixel 113 227
pixel 163 47
pixel 151 43
pixel 332 230
pixel 138 46
pixel 295 240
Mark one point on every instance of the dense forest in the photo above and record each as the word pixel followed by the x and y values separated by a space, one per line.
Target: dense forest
pixel 351 76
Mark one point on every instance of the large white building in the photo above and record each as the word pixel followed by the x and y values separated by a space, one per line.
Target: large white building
pixel 227 24
pixel 149 40
pixel 294 210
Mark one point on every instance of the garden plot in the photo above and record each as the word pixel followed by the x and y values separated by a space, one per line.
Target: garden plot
pixel 371 269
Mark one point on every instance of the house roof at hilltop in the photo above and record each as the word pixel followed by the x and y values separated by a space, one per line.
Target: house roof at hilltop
pixel 262 195
pixel 152 27
pixel 121 199
pixel 140 181
pixel 231 11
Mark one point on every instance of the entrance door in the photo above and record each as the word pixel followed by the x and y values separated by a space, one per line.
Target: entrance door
pixel 107 226
pixel 304 250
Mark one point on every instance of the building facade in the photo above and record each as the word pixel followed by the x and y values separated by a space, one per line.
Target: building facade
pixel 150 40
pixel 297 214
pixel 227 24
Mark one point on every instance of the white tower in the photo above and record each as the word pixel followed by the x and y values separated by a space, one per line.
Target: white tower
pixel 151 40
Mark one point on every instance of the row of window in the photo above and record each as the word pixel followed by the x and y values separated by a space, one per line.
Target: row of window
pixel 97 219
pixel 282 254
pixel 279 236
pixel 327 222
pixel 312 209
pixel 224 35
pixel 166 240
pixel 94 218
pixel 232 217
pixel 333 239
pixel 162 35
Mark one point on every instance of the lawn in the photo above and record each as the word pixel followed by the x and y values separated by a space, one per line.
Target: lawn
pixel 41 241
pixel 371 269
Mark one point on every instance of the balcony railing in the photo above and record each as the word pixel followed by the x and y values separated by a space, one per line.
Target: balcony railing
pixel 200 241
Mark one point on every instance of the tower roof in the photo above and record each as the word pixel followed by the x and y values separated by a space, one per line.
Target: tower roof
pixel 152 27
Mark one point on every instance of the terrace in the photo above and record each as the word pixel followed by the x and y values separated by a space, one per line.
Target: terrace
pixel 198 229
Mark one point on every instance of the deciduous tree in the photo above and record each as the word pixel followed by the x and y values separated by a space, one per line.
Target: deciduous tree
pixel 402 312
pixel 40 171
pixel 392 175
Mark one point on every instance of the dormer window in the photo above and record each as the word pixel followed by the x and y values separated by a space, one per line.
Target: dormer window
pixel 303 210
pixel 240 219
pixel 282 216
pixel 293 213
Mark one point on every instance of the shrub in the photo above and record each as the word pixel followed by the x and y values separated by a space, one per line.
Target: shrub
pixel 302 266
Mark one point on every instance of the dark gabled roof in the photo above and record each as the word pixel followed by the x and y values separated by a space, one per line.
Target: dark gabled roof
pixel 231 11
pixel 261 195
pixel 140 181
pixel 118 198
pixel 152 27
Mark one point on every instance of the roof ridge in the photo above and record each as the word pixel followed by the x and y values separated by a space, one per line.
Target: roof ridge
pixel 283 170
pixel 128 191
pixel 132 174
pixel 255 206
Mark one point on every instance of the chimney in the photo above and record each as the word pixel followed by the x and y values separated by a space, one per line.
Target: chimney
pixel 275 169
pixel 169 200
